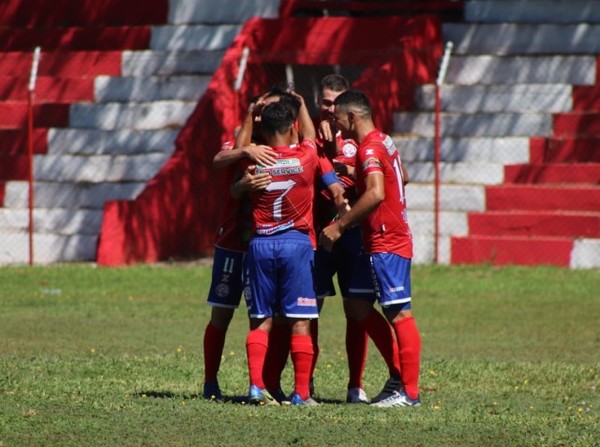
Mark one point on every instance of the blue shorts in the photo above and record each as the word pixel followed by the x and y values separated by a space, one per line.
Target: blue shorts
pixel 227 283
pixel 279 276
pixel 391 274
pixel 352 265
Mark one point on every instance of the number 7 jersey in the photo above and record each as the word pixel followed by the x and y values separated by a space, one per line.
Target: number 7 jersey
pixel 287 202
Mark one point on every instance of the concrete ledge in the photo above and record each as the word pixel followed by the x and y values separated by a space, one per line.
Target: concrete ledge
pixel 98 168
pixel 59 221
pixel 194 37
pixel 464 173
pixel 113 142
pixel 48 248
pixel 469 70
pixel 73 196
pixel 226 11
pixel 451 223
pixel 471 125
pixel 420 197
pixel 532 11
pixel 169 63
pixel 142 116
pixel 586 254
pixel 549 98
pixel 138 89
pixel 509 38
pixel 494 150
pixel 424 250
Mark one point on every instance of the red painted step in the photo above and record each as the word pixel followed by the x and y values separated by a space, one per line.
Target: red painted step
pixel 576 124
pixel 15 141
pixel 586 97
pixel 48 89
pixel 543 197
pixel 511 250
pixel 565 150
pixel 62 64
pixel 530 223
pixel 76 39
pixel 588 173
pixel 14 167
pixel 44 13
pixel 14 115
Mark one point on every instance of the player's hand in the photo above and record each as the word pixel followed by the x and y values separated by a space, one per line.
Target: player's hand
pixel 326 131
pixel 261 154
pixel 250 182
pixel 329 236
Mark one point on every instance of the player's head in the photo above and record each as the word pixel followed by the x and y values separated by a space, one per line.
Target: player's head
pixel 277 119
pixel 350 106
pixel 330 88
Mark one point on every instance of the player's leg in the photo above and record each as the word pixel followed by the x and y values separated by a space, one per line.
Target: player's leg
pixel 277 355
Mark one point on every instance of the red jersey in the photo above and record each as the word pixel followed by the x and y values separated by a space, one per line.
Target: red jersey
pixel 386 229
pixel 287 202
pixel 235 228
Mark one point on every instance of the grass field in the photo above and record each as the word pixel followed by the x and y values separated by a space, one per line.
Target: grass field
pixel 113 357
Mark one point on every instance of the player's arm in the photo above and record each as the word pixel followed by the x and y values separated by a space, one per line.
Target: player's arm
pixel 333 183
pixel 260 154
pixel 367 203
pixel 249 182
pixel 306 128
pixel 405 178
pixel 327 133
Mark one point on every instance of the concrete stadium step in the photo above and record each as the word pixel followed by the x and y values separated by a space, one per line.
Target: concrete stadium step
pixel 142 116
pixel 498 250
pixel 483 173
pixel 453 198
pixel 15 141
pixel 14 115
pixel 76 39
pixel 509 150
pixel 567 150
pixel 532 69
pixel 577 124
pixel 474 125
pixel 518 11
pixel 585 173
pixel 586 98
pixel 541 223
pixel 228 11
pixel 586 254
pixel 170 63
pixel 550 98
pixel 62 64
pixel 542 197
pixel 422 227
pixel 48 248
pixel 138 89
pixel 47 89
pixel 520 39
pixel 60 221
pixel 69 195
pixel 110 142
pixel 98 168
pixel 192 37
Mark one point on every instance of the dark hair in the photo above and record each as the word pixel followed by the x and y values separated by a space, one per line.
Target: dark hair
pixel 276 118
pixel 335 82
pixel 354 99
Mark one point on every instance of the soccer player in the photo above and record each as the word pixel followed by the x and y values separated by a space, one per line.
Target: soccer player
pixel 347 258
pixel 381 208
pixel 280 255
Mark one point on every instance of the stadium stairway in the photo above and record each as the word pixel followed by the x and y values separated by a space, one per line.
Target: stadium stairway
pixel 520 166
pixel 115 86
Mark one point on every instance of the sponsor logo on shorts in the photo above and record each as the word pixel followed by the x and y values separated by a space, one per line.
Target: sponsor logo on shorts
pixel 305 302
pixel 396 289
pixel 222 290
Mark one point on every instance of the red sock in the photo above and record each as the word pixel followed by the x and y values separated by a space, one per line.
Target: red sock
pixel 356 350
pixel 314 335
pixel 257 343
pixel 214 341
pixel 302 358
pixel 382 335
pixel 277 354
pixel 409 343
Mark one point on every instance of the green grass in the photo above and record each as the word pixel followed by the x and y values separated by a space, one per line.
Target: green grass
pixel 105 357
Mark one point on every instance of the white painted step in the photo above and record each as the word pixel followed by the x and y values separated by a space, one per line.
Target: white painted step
pixel 503 150
pixel 110 142
pixel 586 254
pixel 47 248
pixel 549 98
pixel 468 198
pixel 424 249
pixel 98 168
pixel 510 38
pixel 69 195
pixel 142 116
pixel 532 11
pixel 193 37
pixel 154 88
pixel 61 221
pixel 482 173
pixel 488 69
pixel 225 11
pixel 474 125
pixel 170 63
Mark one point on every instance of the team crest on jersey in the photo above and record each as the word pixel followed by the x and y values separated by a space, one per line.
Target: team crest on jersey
pixel 222 290
pixel 349 150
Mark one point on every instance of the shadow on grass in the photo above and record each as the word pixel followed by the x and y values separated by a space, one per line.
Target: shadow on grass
pixel 242 400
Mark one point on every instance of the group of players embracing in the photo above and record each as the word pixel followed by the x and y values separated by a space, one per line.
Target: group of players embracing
pixel 305 204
